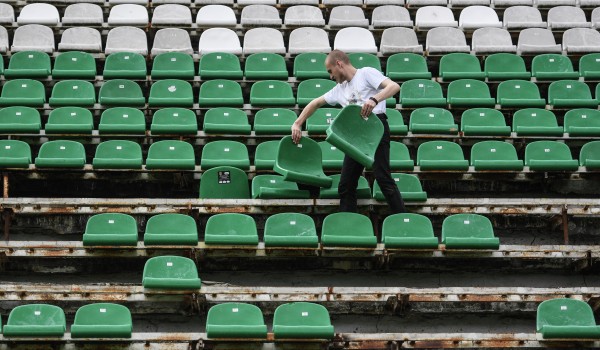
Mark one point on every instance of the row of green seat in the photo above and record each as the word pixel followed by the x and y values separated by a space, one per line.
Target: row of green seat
pixel 408 230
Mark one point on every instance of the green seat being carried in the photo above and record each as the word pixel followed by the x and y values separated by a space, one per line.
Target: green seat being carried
pixel 363 191
pixel 582 122
pixel 311 89
pixel 536 122
pixel 110 229
pixel 122 120
pixel 348 230
pixel 126 65
pixel 567 319
pixel 460 66
pixel 28 64
pixel 408 230
pixel 224 182
pixel 495 155
pixel 20 119
pixel 171 154
pixel 14 154
pixel 432 120
pixel 408 185
pixel 118 154
pixel 319 122
pixel 302 320
pixel 231 229
pixel 171 229
pixel 219 65
pixel 173 65
pixel 274 187
pixel 220 93
pixel 171 93
pixel 70 120
pixel 406 66
pixel 61 154
pixel 170 272
pixel 265 66
pixel 23 92
pixel 121 92
pixel 36 320
pixel 74 65
pixel 589 156
pixel 272 93
pixel 265 155
pixel 519 93
pixel 226 120
pixel 504 66
pixel 469 231
pixel 310 65
pixel 73 93
pixel 274 121
pixel 470 92
pixel 549 155
pixel 441 155
pixel 301 162
pixel 290 230
pixel 483 122
pixel 421 93
pixel 102 320
pixel 235 320
pixel 174 120
pixel 225 153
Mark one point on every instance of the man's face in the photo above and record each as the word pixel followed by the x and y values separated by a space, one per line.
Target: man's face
pixel 334 70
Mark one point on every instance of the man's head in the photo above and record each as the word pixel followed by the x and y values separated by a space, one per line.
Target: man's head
pixel 338 66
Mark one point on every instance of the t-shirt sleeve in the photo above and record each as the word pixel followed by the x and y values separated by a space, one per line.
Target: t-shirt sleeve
pixel 374 77
pixel 331 96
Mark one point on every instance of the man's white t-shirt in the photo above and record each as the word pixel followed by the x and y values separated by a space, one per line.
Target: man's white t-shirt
pixel 363 85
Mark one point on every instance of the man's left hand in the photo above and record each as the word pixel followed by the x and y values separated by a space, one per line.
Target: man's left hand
pixel 367 108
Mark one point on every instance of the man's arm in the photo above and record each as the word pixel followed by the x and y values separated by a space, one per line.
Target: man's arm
pixel 305 114
pixel 388 89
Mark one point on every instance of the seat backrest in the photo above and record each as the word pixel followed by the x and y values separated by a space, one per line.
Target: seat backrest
pixel 459 62
pixel 33 37
pixel 225 151
pixel 581 118
pixel 40 13
pixel 537 40
pixel 406 62
pixel 224 182
pixel 492 39
pixel 550 63
pixel 397 39
pixel 568 15
pixel 534 117
pixel 340 224
pixel 493 150
pixel 482 117
pixel 589 151
pixel 74 64
pixel 431 115
pixel 309 39
pixel 263 40
pixel 304 15
pixel 168 266
pixel 37 315
pixel 111 223
pixel 468 88
pixel 504 62
pixel 564 312
pixel 547 150
pixel 15 149
pixel 439 150
pixel 120 92
pixel 216 14
pixel 478 16
pixel 170 149
pixel 360 60
pixel 103 314
pixel 569 89
pixel 128 39
pixel 290 224
pixel 391 16
pixel 407 225
pixel 26 60
pixel 301 314
pixel 305 155
pixel 446 39
pixel 123 149
pixel 312 88
pixel 171 223
pixel 420 88
pixel 127 14
pixel 522 16
pixel 83 13
pixel 172 14
pixel 347 15
pixel 581 40
pixel 467 225
pixel 260 14
pixel 231 224
pixel 234 314
pixel 122 115
pixel 354 39
pixel 519 89
pixel 7 14
pixel 434 16
pixel 172 40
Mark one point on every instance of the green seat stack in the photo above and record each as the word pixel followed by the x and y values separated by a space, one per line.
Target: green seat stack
pixel 348 230
pixel 409 231
pixel 290 230
pixel 302 320
pixel 102 320
pixel 468 231
pixel 230 229
pixel 36 320
pixel 110 229
pixel 235 320
pixel 171 229
pixel 170 272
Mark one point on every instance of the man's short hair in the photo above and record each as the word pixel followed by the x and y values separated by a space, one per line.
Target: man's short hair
pixel 337 55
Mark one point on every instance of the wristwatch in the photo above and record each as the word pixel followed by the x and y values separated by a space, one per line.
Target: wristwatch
pixel 374 100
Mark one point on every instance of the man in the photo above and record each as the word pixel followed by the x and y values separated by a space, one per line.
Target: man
pixel 369 88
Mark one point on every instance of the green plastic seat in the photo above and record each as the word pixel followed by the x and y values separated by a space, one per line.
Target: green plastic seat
pixel 409 231
pixel 333 158
pixel 61 154
pixel 441 155
pixel 265 66
pixel 396 122
pixel 483 122
pixel 519 93
pixel 363 191
pixel 20 119
pixel 235 320
pixel 179 121
pixel 171 229
pixel 220 65
pixel 170 272
pixel 421 93
pixel 408 185
pixel 290 230
pixel 319 122
pixel 571 93
pixel 432 120
pixel 302 320
pixel 70 120
pixel 399 157
pixel 566 318
pixel 469 92
pixel 348 230
pixel 225 153
pixel 504 66
pixel 217 93
pixel 110 229
pixel 589 156
pixel 36 320
pixel 73 93
pixel 581 122
pixel 361 60
pixel 171 154
pixel 310 89
pixel 536 122
pixel 272 93
pixel 122 120
pixel 355 136
pixel 301 162
pixel 171 93
pixel 74 65
pixel 551 66
pixel 549 155
pixel 102 320
pixel 225 120
pixel 28 64
pixel 589 66
pixel 118 154
pixel 14 154
pixel 468 231
pixel 495 155
pixel 274 187
pixel 23 92
pixel 120 92
pixel 310 65
pixel 173 65
pixel 460 66
pixel 274 121
pixel 265 155
pixel 124 65
pixel 406 66
pixel 224 182
pixel 231 229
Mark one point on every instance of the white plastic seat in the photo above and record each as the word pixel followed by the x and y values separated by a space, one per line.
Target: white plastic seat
pixel 347 16
pixel 461 3
pixel 41 13
pixel 474 17
pixel 384 2
pixel 172 40
pixel 397 39
pixel 219 40
pixel 508 3
pixel 565 17
pixel 7 14
pixel 299 2
pixel 128 14
pixel 33 37
pixel 180 2
pixel 596 18
pixel 417 3
pixel 434 16
pixel 3 40
pixel 87 1
pixel 391 16
pixel 256 2
pixel 80 39
pixel 83 14
pixel 137 2
pixel 521 17
pixel 308 39
pixel 303 15
pixel 260 15
pixel 172 14
pixel 581 40
pixel 492 40
pixel 216 15
pixel 589 3
pixel 128 39
pixel 342 2
pixel 445 40
pixel 267 40
pixel 214 2
pixel 552 3
pixel 537 40
pixel 355 39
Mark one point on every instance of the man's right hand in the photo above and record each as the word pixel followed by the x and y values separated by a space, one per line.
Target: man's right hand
pixel 296 133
